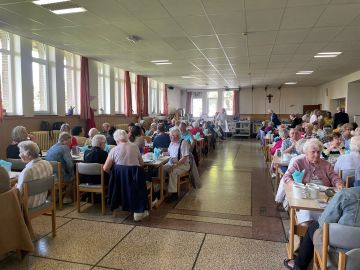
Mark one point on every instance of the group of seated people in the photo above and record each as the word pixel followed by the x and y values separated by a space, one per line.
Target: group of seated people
pixel 109 147
pixel 318 155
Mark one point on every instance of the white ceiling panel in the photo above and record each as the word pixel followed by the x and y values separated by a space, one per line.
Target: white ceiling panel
pixel 261 38
pixel 263 20
pixel 322 34
pixel 145 9
pixel 339 15
pixel 233 40
pixel 285 48
pixel 301 17
pixel 292 36
pixel 260 4
pixel 349 34
pixel 223 6
pixel 180 43
pixel 212 53
pixel 228 23
pixel 300 3
pixel 183 7
pixel 260 50
pixel 165 27
pixel 195 25
pixel 206 42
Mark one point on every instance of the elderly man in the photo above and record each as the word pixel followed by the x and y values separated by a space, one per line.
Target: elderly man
pixel 179 162
pixel 61 152
pixel 35 168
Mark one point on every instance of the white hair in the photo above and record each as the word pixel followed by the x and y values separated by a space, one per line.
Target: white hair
pixel 63 137
pixel 311 144
pixel 93 132
pixel 175 132
pixel 19 134
pixel 195 124
pixel 120 136
pixel 283 132
pixel 355 144
pixel 30 148
pixel 97 140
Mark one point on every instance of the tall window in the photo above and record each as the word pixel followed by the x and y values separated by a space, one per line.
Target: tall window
pixel 40 75
pixel 197 107
pixel 153 93
pixel 5 72
pixel 104 88
pixel 133 92
pixel 228 102
pixel 119 88
pixel 212 98
pixel 161 97
pixel 72 81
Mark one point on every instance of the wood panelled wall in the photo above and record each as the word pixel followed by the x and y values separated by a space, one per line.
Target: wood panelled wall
pixel 33 124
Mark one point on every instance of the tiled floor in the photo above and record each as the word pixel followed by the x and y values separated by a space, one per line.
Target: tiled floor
pixel 230 223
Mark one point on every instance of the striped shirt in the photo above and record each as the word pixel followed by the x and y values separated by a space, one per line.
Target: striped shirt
pixel 35 169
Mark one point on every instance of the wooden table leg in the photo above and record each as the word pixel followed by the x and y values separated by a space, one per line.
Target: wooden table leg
pixel 290 246
pixel 276 181
pixel 161 177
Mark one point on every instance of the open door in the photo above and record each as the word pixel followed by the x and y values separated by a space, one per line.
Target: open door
pixel 311 108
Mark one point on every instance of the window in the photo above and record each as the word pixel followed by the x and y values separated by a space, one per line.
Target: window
pixel 161 97
pixel 72 81
pixel 133 92
pixel 212 98
pixel 5 72
pixel 104 88
pixel 153 93
pixel 228 102
pixel 40 75
pixel 119 88
pixel 197 107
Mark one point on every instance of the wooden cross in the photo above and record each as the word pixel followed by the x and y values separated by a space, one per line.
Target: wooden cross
pixel 269 96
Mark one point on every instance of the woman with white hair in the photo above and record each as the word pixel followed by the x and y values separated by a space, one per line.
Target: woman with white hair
pixel 92 132
pixel 283 135
pixel 196 129
pixel 178 163
pixel 36 168
pixel 348 163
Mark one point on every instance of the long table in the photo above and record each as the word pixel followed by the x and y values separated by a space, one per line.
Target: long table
pixel 298 204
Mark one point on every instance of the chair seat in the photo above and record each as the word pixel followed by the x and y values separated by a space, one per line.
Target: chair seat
pixel 87 185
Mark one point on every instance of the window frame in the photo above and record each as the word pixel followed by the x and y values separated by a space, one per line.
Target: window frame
pixel 119 87
pixel 75 69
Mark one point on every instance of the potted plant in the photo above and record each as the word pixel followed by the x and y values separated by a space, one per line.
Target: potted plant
pixel 71 110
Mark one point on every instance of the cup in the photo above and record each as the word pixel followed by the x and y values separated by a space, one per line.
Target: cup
pixel 298 191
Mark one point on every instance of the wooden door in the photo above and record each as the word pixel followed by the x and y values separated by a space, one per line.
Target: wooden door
pixel 311 108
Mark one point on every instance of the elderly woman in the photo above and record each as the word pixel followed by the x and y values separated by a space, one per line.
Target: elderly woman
pixel 178 163
pixel 283 134
pixel 288 145
pixel 346 134
pixel 309 131
pixel 4 180
pixel 18 134
pixel 61 152
pixel 35 168
pixel 196 129
pixel 334 148
pixel 348 163
pixel 135 136
pixel 92 132
pixel 152 130
pixel 66 128
pixel 127 154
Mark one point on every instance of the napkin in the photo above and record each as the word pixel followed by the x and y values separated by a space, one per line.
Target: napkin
pixel 298 176
pixel 197 136
pixel 157 152
pixel 206 131
pixel 7 165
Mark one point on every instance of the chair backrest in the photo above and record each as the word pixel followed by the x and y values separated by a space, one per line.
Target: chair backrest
pixel 17 164
pixel 38 186
pixel 353 259
pixel 89 168
pixel 350 179
pixel 57 170
pixel 42 139
pixel 346 173
pixel 344 237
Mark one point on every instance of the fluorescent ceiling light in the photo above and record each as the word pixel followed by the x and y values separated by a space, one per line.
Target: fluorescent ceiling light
pixel 324 53
pixel 47 2
pixel 188 77
pixel 68 10
pixel 304 72
pixel 290 83
pixel 159 61
pixel 164 63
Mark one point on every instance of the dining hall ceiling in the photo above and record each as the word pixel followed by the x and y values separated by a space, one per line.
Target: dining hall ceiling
pixel 215 43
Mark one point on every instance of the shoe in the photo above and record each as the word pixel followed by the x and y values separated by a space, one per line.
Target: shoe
pixel 67 200
pixel 172 198
pixel 140 216
pixel 286 264
pixel 154 202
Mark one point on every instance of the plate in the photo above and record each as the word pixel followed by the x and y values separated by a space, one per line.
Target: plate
pixel 148 160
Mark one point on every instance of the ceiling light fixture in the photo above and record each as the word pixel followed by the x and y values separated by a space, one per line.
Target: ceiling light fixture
pixel 291 83
pixel 159 61
pixel 133 38
pixel 304 72
pixel 337 53
pixel 327 54
pixel 48 2
pixel 188 77
pixel 68 10
pixel 164 63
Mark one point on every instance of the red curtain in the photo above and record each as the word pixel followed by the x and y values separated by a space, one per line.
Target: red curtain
pixel 139 85
pixel 188 102
pixel 165 100
pixel 128 106
pixel 86 112
pixel 145 92
pixel 1 106
pixel 236 105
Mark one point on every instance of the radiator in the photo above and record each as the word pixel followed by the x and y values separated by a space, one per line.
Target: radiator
pixel 42 139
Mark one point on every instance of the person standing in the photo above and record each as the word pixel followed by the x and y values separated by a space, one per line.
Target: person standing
pixel 340 117
pixel 274 118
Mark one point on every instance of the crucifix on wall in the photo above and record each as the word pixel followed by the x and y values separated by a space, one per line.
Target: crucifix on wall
pixel 269 96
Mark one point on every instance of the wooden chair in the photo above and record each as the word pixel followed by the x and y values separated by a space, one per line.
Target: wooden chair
pixel 337 236
pixel 59 184
pixel 183 178
pixel 350 181
pixel 149 188
pixel 17 164
pixel 90 169
pixel 38 186
pixel 42 139
pixel 349 260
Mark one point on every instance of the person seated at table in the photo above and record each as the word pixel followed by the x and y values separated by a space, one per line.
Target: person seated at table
pixel 178 163
pixel 136 138
pixel 36 168
pixel 177 125
pixel 92 132
pixel 152 130
pixel 105 128
pixel 77 132
pixel 308 128
pixel 127 154
pixel 4 180
pixel 269 127
pixel 295 121
pixel 343 208
pixel 334 148
pixel 196 129
pixel 162 139
pixel 18 134
pixel 61 152
pixel 283 135
pixel 348 163
pixel 141 125
pixel 288 145
pixel 316 171
pixel 346 135
pixel 66 128
pixel 130 125
pixel 96 154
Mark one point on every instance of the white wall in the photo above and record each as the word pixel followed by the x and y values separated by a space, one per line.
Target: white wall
pixel 353 98
pixel 174 99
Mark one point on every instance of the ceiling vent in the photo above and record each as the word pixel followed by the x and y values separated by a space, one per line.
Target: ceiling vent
pixel 133 38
